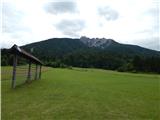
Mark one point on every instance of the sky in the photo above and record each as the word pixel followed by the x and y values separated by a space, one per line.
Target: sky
pixel 126 21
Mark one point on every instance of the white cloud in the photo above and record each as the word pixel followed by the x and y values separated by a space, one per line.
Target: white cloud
pixel 58 7
pixel 108 13
pixel 126 21
pixel 71 27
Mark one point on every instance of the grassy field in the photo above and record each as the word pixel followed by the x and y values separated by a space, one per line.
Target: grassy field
pixel 83 94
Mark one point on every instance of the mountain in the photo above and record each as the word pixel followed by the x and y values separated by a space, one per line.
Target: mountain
pixel 110 45
pixel 62 46
pixel 91 52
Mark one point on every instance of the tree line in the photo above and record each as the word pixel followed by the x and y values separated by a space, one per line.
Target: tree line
pixel 95 59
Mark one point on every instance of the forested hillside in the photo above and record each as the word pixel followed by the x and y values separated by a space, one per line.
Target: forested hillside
pixel 93 53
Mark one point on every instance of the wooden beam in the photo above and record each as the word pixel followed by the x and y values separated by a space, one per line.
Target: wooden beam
pixel 29 72
pixel 40 67
pixel 14 71
pixel 36 72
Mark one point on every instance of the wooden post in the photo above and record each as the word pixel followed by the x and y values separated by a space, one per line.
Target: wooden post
pixel 36 72
pixel 40 67
pixel 14 71
pixel 29 72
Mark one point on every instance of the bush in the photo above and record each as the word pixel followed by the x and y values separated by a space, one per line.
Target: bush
pixel 57 65
pixel 126 67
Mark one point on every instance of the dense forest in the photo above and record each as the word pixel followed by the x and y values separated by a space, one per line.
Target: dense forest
pixel 95 59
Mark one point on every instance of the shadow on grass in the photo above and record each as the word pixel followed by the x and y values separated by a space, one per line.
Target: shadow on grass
pixel 24 84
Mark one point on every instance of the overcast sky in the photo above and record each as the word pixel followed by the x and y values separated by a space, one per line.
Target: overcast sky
pixel 126 21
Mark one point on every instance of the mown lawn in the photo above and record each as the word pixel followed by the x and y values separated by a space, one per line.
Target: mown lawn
pixel 83 94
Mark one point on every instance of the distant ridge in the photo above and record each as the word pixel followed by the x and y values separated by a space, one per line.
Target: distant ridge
pixel 62 46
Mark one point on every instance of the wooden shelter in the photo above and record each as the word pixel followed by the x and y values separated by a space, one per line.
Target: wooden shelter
pixel 18 52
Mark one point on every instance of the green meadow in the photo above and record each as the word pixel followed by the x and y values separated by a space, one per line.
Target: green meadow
pixel 82 94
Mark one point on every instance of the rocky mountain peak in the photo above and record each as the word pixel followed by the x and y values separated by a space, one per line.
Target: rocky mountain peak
pixel 96 42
